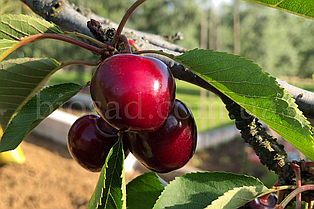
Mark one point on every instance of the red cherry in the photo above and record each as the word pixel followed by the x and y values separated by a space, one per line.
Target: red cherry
pixel 89 141
pixel 171 146
pixel 132 92
pixel 264 202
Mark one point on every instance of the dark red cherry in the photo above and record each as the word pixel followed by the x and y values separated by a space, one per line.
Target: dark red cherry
pixel 171 146
pixel 133 92
pixel 264 202
pixel 89 141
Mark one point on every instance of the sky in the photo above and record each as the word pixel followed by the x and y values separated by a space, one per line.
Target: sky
pixel 217 2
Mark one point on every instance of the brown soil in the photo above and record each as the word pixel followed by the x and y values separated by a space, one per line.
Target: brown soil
pixel 50 179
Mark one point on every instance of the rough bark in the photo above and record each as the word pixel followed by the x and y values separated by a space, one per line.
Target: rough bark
pixel 69 17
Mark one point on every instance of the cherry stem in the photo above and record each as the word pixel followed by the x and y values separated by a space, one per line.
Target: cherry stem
pixel 78 62
pixel 99 43
pixel 123 22
pixel 126 43
pixel 294 193
pixel 62 65
pixel 297 171
pixel 136 47
pixel 171 56
pixel 74 62
pixel 40 36
pixel 120 135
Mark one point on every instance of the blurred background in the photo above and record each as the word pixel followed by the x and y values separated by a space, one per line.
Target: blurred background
pixel 280 43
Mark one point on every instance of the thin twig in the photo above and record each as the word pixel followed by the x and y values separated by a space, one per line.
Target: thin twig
pixel 297 171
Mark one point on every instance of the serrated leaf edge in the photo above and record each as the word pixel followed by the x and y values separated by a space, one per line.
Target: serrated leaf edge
pixel 123 185
pixel 290 101
pixel 37 19
pixel 212 205
pixel 202 172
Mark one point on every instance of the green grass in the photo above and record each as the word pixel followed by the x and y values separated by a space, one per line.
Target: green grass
pixel 65 76
pixel 209 112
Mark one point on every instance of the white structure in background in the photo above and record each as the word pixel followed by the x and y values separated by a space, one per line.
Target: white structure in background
pixel 56 127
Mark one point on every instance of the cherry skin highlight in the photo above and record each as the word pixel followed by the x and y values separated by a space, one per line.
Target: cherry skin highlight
pixel 89 141
pixel 132 92
pixel 171 146
pixel 265 202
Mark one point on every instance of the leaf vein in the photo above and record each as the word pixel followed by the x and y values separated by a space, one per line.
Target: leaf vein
pixel 9 103
pixel 8 34
pixel 16 88
pixel 22 74
pixel 19 31
pixel 17 96
pixel 309 10
pixel 274 112
pixel 14 81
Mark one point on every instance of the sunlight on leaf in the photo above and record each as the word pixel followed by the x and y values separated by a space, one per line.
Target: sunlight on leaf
pixel 303 8
pixel 198 190
pixel 13 27
pixel 246 84
pixel 237 197
pixel 110 191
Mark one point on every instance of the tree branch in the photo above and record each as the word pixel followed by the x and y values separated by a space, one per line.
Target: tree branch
pixel 271 153
pixel 69 18
pixel 304 99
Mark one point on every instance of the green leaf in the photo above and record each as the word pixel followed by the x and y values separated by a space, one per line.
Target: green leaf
pixel 198 190
pixel 20 79
pixel 110 191
pixel 145 188
pixel 303 8
pixel 34 111
pixel 246 84
pixel 6 44
pixel 13 27
pixel 237 197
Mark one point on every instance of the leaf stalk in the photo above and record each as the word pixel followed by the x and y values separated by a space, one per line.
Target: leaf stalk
pixel 293 194
pixel 40 36
pixel 124 20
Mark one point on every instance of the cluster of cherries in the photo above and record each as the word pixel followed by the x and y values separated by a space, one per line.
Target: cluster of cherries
pixel 134 97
